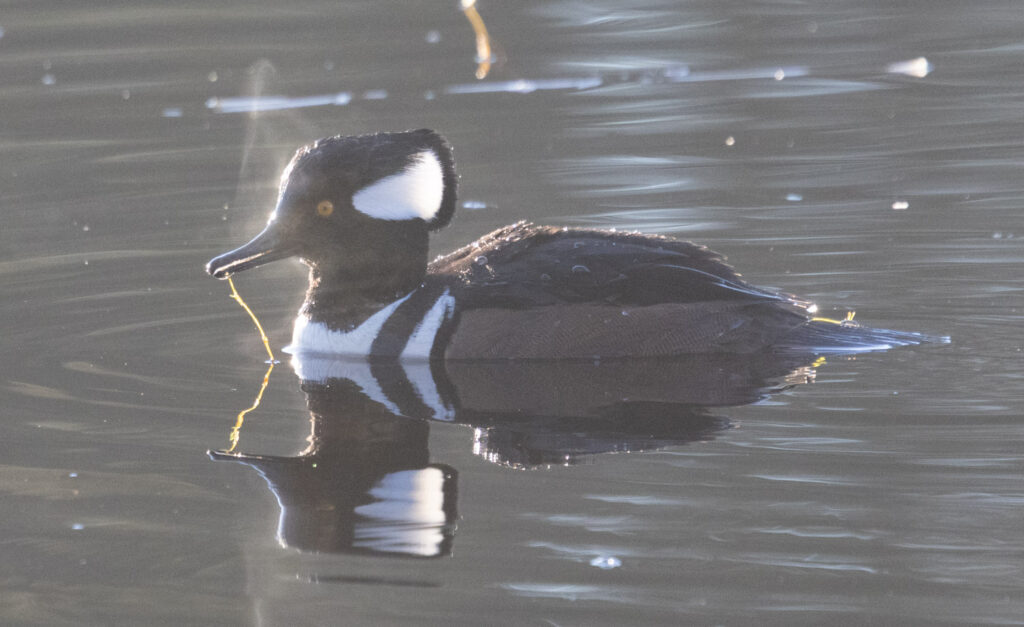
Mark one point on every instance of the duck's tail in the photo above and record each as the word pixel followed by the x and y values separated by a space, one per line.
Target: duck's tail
pixel 824 335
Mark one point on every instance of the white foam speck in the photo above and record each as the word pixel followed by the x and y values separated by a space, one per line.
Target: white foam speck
pixel 917 68
pixel 606 562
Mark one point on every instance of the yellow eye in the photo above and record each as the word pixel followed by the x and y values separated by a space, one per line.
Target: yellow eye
pixel 325 208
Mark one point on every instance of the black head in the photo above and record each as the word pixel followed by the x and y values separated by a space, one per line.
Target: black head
pixel 355 202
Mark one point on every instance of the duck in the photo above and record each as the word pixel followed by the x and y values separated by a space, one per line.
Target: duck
pixel 359 210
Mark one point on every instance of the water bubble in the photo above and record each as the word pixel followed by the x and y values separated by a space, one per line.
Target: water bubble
pixel 545 277
pixel 580 269
pixel 730 141
pixel 328 65
pixel 474 204
pixel 72 474
pixel 794 197
pixel 780 74
pixel 606 562
pixel 78 526
pixel 578 244
pixel 172 112
pixel 49 79
pixel 900 205
pixel 481 260
pixel 212 77
pixel 433 36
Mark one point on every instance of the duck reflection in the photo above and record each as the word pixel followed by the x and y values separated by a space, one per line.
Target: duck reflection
pixel 366 484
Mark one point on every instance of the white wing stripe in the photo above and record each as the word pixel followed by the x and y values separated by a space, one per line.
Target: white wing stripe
pixel 422 339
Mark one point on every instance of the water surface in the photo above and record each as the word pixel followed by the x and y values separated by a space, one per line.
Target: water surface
pixel 883 489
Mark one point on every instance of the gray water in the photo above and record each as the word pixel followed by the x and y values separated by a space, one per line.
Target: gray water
pixel 885 491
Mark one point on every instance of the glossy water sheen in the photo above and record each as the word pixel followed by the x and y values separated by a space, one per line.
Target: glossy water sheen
pixel 887 492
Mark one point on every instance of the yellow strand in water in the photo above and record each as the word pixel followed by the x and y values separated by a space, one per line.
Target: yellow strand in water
pixel 849 319
pixel 263 336
pixel 236 430
pixel 483 40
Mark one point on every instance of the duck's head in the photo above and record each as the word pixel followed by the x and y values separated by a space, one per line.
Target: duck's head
pixel 355 202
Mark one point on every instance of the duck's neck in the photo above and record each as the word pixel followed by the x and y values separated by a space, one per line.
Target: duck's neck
pixel 345 291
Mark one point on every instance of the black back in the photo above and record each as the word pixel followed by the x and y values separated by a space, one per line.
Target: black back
pixel 524 265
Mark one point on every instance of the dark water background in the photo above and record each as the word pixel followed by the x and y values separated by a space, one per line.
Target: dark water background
pixel 889 491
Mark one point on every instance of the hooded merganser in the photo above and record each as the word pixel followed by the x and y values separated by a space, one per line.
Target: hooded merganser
pixel 358 211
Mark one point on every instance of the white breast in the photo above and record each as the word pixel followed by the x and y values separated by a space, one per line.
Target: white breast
pixel 317 337
pixel 316 349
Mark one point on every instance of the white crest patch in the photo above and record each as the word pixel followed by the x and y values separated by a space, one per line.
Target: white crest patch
pixel 415 192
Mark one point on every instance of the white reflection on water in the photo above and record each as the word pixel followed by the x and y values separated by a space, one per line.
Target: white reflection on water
pixel 523 86
pixel 637 499
pixel 837 481
pixel 672 220
pixel 613 72
pixel 739 74
pixel 571 592
pixel 618 525
pixel 275 103
pixel 624 175
pixel 816 562
pixel 831 534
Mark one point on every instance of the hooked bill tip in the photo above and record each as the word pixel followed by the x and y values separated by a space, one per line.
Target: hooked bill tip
pixel 217 272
